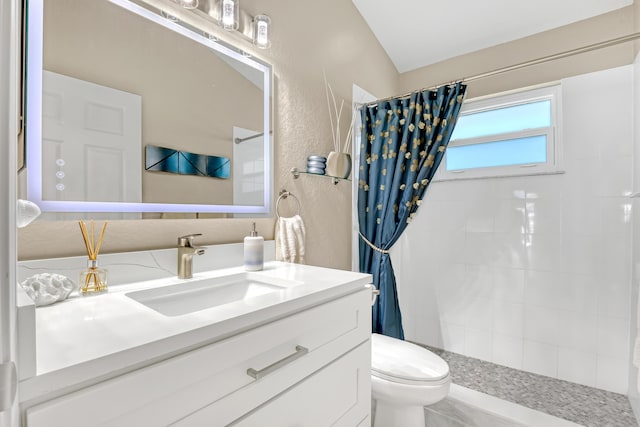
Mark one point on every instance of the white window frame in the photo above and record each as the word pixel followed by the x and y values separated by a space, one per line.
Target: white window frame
pixel 493 102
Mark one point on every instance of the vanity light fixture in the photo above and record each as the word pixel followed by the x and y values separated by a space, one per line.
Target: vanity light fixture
pixel 261 31
pixel 230 14
pixel 187 4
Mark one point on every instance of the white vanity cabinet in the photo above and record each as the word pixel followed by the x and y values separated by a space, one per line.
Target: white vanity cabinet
pixel 312 369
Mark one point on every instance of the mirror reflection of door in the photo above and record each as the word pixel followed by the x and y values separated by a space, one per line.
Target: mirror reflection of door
pixel 87 130
pixel 248 168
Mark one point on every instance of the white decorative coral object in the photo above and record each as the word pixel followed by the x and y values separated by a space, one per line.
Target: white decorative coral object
pixel 26 212
pixel 47 288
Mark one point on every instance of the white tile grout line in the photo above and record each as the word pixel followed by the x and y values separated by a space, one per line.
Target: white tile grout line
pixel 506 409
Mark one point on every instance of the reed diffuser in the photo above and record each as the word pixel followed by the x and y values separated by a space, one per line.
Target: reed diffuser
pixel 94 278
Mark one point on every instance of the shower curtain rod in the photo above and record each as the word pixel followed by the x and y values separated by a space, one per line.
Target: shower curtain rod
pixel 548 58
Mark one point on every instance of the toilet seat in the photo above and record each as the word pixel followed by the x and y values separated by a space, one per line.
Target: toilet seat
pixel 410 382
pixel 405 363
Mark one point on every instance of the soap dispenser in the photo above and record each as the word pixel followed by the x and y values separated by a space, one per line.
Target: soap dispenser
pixel 253 251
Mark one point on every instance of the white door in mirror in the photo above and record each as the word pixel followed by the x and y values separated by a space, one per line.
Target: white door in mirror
pixel 90 142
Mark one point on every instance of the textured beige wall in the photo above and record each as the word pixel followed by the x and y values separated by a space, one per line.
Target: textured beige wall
pixel 583 33
pixel 308 36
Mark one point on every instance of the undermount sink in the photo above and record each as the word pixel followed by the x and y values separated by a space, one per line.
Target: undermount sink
pixel 196 295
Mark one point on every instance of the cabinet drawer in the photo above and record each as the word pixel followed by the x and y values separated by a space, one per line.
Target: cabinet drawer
pixel 355 374
pixel 337 395
pixel 168 391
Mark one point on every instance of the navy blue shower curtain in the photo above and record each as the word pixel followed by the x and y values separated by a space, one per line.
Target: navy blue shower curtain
pixel 403 142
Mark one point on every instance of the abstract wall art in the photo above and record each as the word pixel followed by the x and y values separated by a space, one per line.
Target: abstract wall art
pixel 162 159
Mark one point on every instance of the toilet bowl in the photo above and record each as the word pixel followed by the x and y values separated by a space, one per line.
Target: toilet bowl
pixel 404 379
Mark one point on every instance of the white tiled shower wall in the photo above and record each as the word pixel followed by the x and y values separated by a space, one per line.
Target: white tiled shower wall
pixel 534 272
pixel 634 389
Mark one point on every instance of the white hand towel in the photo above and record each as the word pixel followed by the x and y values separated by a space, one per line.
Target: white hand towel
pixel 290 239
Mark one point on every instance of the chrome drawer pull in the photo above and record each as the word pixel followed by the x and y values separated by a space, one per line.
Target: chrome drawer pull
pixel 300 351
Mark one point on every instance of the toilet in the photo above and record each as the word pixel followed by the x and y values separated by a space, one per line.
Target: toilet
pixel 404 379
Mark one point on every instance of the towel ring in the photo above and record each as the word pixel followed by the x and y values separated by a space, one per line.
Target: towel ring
pixel 283 195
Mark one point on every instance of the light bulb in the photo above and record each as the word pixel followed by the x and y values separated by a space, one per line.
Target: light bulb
pixel 261 29
pixel 229 14
pixel 187 4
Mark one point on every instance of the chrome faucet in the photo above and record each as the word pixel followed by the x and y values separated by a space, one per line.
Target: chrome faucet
pixel 186 251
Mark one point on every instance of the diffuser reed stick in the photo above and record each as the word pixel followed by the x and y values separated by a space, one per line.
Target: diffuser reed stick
pixel 94 278
pixel 335 126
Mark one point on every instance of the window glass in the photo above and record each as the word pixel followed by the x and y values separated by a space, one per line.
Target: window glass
pixel 508 134
pixel 501 120
pixel 517 151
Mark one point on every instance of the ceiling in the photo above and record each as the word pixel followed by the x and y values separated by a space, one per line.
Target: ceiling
pixel 416 33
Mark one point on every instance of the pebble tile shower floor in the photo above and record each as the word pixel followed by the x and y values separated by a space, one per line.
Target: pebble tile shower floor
pixel 587 406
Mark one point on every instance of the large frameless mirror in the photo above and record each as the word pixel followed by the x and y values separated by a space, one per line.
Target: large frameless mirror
pixel 107 80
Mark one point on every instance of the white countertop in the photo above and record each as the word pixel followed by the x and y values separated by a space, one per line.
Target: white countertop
pixel 85 339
